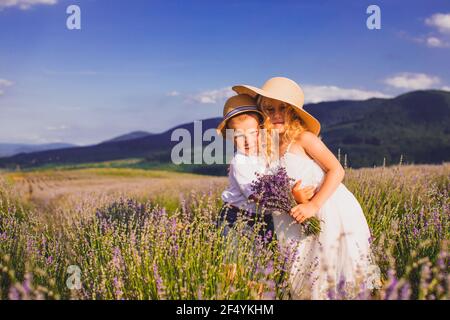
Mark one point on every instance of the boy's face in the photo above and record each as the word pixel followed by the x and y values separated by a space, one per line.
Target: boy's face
pixel 246 132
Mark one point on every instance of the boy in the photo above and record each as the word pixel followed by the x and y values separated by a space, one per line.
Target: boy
pixel 242 115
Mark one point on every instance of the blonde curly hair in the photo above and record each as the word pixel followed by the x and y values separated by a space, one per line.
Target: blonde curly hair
pixel 293 123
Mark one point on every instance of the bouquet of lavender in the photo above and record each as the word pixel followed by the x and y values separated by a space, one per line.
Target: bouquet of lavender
pixel 274 192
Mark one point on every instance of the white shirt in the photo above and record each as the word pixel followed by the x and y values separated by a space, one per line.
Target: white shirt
pixel 243 171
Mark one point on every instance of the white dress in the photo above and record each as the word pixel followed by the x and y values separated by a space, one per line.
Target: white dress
pixel 337 262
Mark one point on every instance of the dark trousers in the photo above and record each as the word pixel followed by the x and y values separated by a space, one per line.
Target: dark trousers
pixel 230 214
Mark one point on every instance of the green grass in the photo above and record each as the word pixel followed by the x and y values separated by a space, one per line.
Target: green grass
pixel 132 163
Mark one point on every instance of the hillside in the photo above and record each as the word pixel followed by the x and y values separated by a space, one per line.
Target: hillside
pixel 415 125
pixel 10 149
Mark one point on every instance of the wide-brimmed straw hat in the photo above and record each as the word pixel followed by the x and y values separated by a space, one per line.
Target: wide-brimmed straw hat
pixel 238 104
pixel 285 90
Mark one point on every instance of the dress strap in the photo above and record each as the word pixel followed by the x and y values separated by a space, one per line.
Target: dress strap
pixel 289 146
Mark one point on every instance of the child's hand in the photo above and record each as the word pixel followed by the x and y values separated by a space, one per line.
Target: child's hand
pixel 302 212
pixel 302 195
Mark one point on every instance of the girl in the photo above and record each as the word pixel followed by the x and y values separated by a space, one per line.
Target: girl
pixel 339 257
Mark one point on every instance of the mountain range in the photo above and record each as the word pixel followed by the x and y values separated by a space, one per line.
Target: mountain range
pixel 10 149
pixel 414 126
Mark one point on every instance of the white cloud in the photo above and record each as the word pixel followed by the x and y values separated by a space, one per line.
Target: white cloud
pixel 441 21
pixel 430 41
pixel 314 93
pixel 3 84
pixel 25 4
pixel 412 81
pixel 173 93
pixel 321 93
pixel 57 128
pixel 446 88
pixel 435 42
pixel 213 96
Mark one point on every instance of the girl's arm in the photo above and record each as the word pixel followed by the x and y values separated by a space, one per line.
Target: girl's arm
pixel 302 195
pixel 333 177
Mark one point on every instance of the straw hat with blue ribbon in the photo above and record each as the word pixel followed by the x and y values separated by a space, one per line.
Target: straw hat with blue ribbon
pixel 236 105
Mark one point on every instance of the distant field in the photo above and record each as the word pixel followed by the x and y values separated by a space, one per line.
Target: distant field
pixel 48 187
pixel 149 234
pixel 136 163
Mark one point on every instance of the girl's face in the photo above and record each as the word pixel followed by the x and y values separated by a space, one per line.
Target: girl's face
pixel 246 132
pixel 276 111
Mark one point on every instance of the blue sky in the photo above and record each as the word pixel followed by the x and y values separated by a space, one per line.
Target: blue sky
pixel 151 65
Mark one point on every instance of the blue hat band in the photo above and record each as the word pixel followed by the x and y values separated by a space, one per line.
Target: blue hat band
pixel 240 109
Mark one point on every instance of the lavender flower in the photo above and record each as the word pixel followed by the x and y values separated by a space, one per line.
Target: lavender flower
pixel 274 192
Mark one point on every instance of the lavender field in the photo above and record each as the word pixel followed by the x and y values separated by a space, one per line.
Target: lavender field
pixel 142 234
